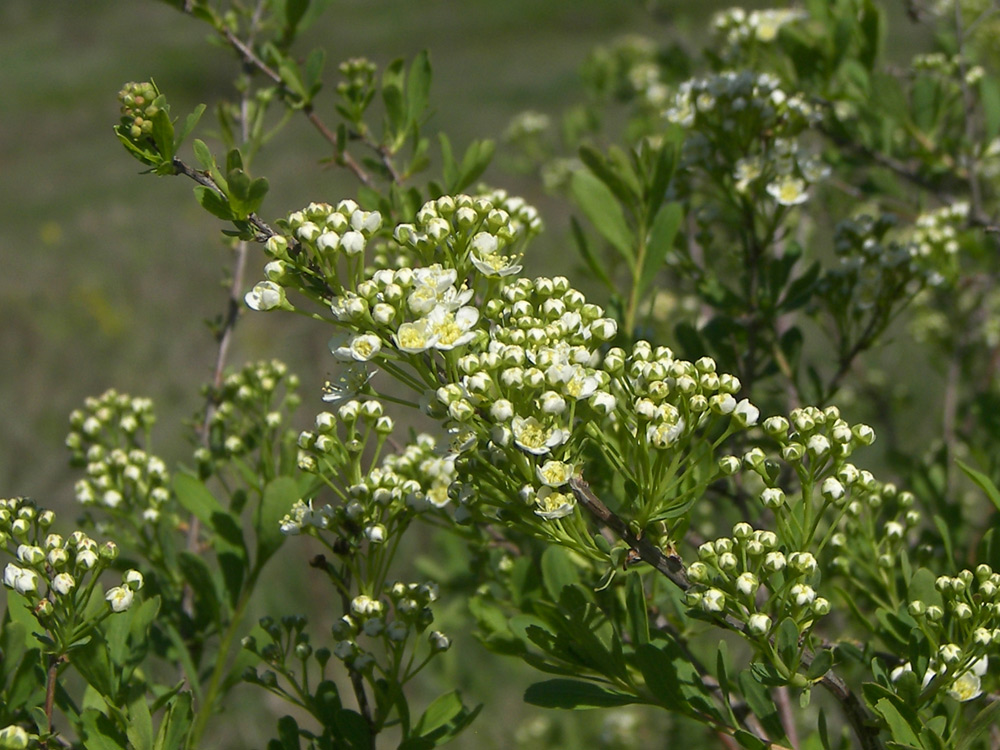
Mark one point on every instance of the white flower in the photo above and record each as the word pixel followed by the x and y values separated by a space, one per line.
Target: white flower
pixel 120 598
pixel 365 347
pixel 555 473
pixel 759 624
pixel 713 601
pixel 450 329
pixel 63 583
pixel 747 584
pixel 21 580
pixel 552 504
pixel 532 436
pixel 746 413
pixel 352 243
pixel 788 191
pixel 265 296
pixel 439 641
pixel 413 338
pixel 133 579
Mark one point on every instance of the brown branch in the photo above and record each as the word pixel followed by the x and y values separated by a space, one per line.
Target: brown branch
pixel 250 58
pixel 671 566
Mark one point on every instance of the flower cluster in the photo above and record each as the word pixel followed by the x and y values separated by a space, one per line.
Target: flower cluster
pixel 323 250
pixel 403 610
pixel 960 616
pixel 935 240
pixel 107 436
pixel 627 69
pixel 749 578
pixel 726 115
pixel 382 497
pixel 57 575
pixel 738 29
pixel 247 413
pixel 138 107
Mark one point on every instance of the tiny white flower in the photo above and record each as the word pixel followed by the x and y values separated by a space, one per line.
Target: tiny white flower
pixel 365 347
pixel 553 504
pixel 63 583
pixel 759 624
pixel 120 598
pixel 713 600
pixel 555 473
pixel 133 579
pixel 265 296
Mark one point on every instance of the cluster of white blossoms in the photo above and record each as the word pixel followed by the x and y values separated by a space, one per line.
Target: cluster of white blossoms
pixel 748 577
pixel 739 28
pixel 51 570
pixel 877 513
pixel 726 114
pixel 381 502
pixel 934 240
pixel 122 477
pixel 961 618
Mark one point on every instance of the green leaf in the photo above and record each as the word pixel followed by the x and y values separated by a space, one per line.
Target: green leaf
pixel 558 571
pixel 980 725
pixel 418 85
pixel 175 725
pixel 214 203
pixel 392 96
pixel 787 642
pixel 588 255
pixel 758 698
pixel 606 173
pixel 903 722
pixel 983 482
pixel 196 572
pixel 661 240
pixel 658 670
pixel 100 732
pixel 93 661
pixel 203 154
pixel 443 710
pixel 140 728
pixel 288 733
pixel 635 603
pixel 279 496
pixel 354 729
pixel 750 741
pixel 477 157
pixel 574 694
pixel 602 210
pixel 163 135
pixel 189 124
pixel 822 661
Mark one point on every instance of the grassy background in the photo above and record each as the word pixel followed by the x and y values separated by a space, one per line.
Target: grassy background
pixel 108 275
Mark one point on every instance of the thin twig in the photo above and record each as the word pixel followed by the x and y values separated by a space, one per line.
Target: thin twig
pixel 671 566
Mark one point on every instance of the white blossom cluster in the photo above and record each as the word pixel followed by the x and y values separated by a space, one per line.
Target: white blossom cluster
pixel 961 618
pixel 738 28
pixel 743 128
pixel 880 515
pixel 415 479
pixel 750 578
pixel 50 570
pixel 106 436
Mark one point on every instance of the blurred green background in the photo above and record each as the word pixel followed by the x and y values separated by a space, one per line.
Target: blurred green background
pixel 108 275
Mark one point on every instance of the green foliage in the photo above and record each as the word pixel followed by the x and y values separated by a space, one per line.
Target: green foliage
pixel 616 499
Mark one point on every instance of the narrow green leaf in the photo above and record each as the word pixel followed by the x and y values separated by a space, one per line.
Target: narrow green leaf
pixel 196 572
pixel 758 697
pixel 163 135
pixel 661 240
pixel 418 86
pixel 100 732
pixel 638 615
pixel 989 99
pixel 605 172
pixel 603 211
pixel 392 96
pixel 354 729
pixel 140 727
pixel 558 571
pixel 822 661
pixel 175 725
pixel 900 726
pixel 449 167
pixel 982 481
pixel 981 723
pixel 750 741
pixel 214 203
pixel 203 154
pixel 574 694
pixel 787 642
pixel 92 660
pixel 588 255
pixel 475 161
pixel 443 710
pixel 279 496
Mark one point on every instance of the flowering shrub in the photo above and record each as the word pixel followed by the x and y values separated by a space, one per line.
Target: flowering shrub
pixel 654 479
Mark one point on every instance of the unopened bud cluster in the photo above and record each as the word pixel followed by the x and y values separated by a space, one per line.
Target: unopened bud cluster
pixel 107 437
pixel 248 413
pixel 138 107
pixel 50 571
pixel 749 578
